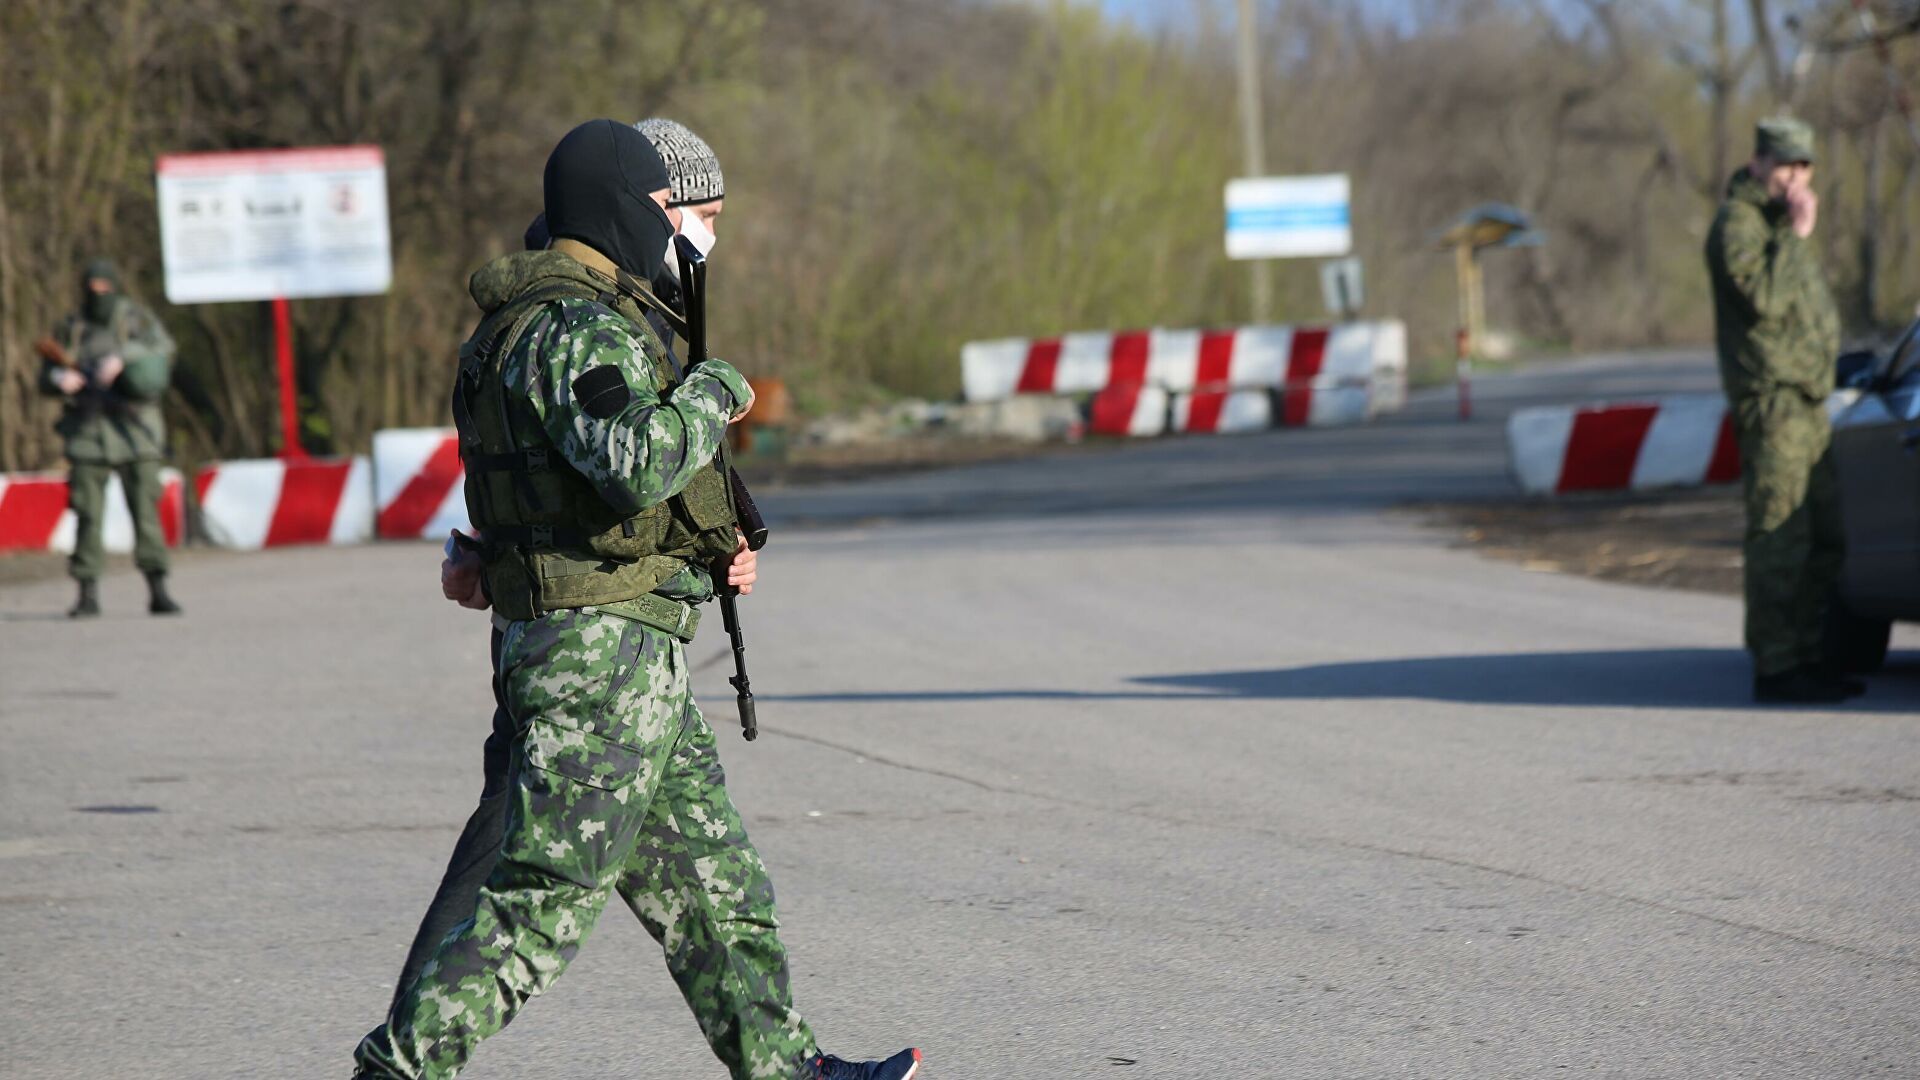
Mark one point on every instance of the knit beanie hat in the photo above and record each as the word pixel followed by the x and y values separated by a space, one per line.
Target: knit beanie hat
pixel 691 164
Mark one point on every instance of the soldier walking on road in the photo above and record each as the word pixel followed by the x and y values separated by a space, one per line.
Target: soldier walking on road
pixel 696 194
pixel 590 479
pixel 110 361
pixel 1778 337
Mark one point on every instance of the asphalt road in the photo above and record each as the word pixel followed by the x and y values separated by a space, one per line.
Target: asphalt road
pixel 1186 760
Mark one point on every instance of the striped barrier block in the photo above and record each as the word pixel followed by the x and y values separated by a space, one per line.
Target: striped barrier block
pixel 1222 411
pixel 249 505
pixel 34 514
pixel 1136 410
pixel 1635 446
pixel 1183 360
pixel 1680 441
pixel 1388 393
pixel 419 485
pixel 1145 410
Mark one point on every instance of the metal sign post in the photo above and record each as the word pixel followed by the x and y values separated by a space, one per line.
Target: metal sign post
pixel 290 447
pixel 1488 225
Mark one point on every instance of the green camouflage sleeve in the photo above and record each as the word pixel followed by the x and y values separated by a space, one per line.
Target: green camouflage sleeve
pixel 1758 260
pixel 590 379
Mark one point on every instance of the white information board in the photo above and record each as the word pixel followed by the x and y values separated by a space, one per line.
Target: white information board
pixel 1284 217
pixel 270 224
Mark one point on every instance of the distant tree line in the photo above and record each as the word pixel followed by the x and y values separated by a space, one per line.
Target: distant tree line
pixel 905 175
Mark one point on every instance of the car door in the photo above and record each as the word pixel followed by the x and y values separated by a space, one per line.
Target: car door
pixel 1876 447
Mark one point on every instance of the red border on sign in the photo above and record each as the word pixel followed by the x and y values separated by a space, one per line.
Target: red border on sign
pixel 297 159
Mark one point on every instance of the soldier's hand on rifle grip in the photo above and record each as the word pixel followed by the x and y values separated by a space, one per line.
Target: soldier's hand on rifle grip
pixel 743 569
pixel 462 573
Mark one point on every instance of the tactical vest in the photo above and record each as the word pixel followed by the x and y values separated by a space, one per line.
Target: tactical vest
pixel 550 541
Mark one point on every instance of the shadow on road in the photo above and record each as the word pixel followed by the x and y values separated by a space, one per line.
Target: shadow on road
pixel 1644 678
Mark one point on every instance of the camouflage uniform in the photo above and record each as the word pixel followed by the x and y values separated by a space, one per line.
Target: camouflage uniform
pixel 114 429
pixel 613 783
pixel 1777 335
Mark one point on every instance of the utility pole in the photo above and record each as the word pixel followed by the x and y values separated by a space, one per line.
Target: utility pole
pixel 1253 139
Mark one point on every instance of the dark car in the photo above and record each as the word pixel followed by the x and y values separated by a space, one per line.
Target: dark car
pixel 1876 450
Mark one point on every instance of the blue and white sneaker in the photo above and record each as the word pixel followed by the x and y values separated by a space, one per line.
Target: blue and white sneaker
pixel 901 1066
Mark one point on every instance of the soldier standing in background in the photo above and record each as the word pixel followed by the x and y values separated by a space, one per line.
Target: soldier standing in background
pixel 1778 337
pixel 110 361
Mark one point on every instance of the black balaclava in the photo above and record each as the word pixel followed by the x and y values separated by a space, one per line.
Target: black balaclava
pixel 99 307
pixel 537 238
pixel 599 182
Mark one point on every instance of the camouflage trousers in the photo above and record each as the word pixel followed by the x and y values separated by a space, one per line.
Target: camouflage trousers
pixel 614 785
pixel 87 498
pixel 1794 540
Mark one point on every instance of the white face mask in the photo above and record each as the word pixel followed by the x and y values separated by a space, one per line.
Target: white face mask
pixel 694 228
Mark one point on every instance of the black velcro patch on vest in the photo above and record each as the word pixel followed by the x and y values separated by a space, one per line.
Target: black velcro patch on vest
pixel 602 392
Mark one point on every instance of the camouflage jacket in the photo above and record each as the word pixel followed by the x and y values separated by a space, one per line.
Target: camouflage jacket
pixel 121 423
pixel 1774 320
pixel 650 448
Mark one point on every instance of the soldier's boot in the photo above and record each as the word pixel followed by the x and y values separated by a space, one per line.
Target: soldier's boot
pixel 901 1066
pixel 1801 686
pixel 1834 673
pixel 88 605
pixel 158 602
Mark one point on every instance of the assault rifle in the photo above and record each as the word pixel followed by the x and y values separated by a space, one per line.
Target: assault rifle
pixel 54 353
pixel 693 288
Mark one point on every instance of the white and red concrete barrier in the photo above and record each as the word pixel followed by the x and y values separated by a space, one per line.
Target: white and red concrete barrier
pixel 1319 375
pixel 1149 410
pixel 1635 446
pixel 1181 360
pixel 34 514
pixel 1129 409
pixel 1222 410
pixel 1684 440
pixel 419 485
pixel 270 502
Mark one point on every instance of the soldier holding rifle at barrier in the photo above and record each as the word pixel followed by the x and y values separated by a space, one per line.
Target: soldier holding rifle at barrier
pixel 109 362
pixel 591 478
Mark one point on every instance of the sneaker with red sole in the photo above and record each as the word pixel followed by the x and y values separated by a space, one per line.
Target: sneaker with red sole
pixel 901 1066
